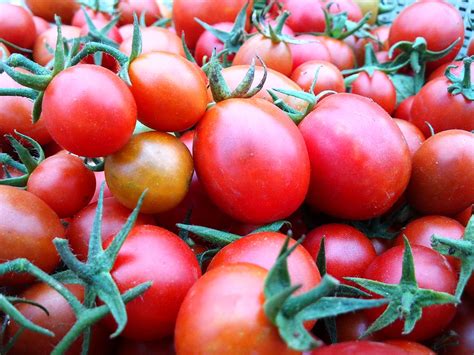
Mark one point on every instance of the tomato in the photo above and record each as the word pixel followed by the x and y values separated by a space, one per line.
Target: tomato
pixel 100 178
pixel 47 40
pixel 41 25
pixel 359 347
pixel 211 12
pixel 149 7
pixel 17 26
pixel 348 251
pixel 413 136
pixel 276 56
pixel 229 302
pixel 411 347
pixel 114 217
pixel 48 8
pixel 79 19
pixel 442 174
pixel 207 42
pixel 64 183
pixel 351 326
pixel 404 108
pixel 439 23
pixel 154 254
pixel 439 72
pixel 262 249
pixel 377 87
pixel 463 325
pixel 306 15
pixel 360 162
pixel 157 86
pixel 383 57
pixel 342 55
pixel 155 39
pixel 251 160
pixel 387 268
pixel 126 31
pixel 27 229
pixel 313 50
pixel 381 245
pixel 442 110
pixel 420 231
pixel 59 320
pixel 16 114
pixel 161 347
pixel 84 121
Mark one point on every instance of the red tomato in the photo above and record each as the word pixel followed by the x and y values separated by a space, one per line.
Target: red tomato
pixel 313 50
pixel 27 229
pixel 251 160
pixel 358 347
pixel 381 33
pixel 155 39
pixel 126 31
pixel 348 251
pixel 207 42
pixel 360 162
pixel 149 7
pixel 411 347
pixel 79 19
pixel 470 48
pixel 47 40
pixel 17 26
pixel 342 55
pixel 64 183
pixel 387 268
pixel 306 15
pixel 404 108
pixel 351 326
pixel 229 301
pixel 41 25
pixel 413 136
pixel 377 87
pixel 84 122
pixel 48 8
pixel 154 254
pixel 463 325
pixel 442 174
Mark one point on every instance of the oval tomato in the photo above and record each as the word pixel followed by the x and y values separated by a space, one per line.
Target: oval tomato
pixel 359 347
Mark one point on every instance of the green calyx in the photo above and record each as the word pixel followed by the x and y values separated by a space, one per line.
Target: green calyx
pixel 462 84
pixel 405 300
pixel 462 249
pixel 275 32
pixel 100 36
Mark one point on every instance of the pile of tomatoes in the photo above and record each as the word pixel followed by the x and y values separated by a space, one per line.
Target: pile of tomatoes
pixel 236 177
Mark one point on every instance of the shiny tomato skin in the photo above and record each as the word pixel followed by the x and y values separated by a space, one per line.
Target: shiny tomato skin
pixel 439 72
pixel 312 50
pixel 358 347
pixel 207 42
pixel 154 254
pixel 262 249
pixel 149 7
pixel 48 8
pixel 157 86
pixel 155 39
pixel 17 26
pixel 411 347
pixel 253 140
pixel 84 121
pixel 387 268
pixel 155 161
pixel 41 52
pixel 64 183
pixel 439 23
pixel 377 87
pixel 99 179
pixel 413 136
pixel 348 251
pixel 114 216
pixel 229 301
pixel 404 108
pixel 27 229
pixel 342 55
pixel 442 174
pixel 359 159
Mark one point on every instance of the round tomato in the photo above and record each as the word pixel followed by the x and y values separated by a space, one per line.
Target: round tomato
pixel 305 52
pixel 359 347
pixel 155 39
pixel 48 8
pixel 251 159
pixel 413 136
pixel 45 41
pixel 306 15
pixel 17 26
pixel 377 87
pixel 207 43
pixel 329 77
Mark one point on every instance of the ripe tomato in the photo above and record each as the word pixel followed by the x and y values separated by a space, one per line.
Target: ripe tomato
pixel 470 48
pixel 377 87
pixel 155 161
pixel 348 251
pixel 442 174
pixel 464 216
pixel 404 108
pixel 41 25
pixel 48 8
pixel 157 86
pixel 387 268
pixel 251 160
pixel 413 136
pixel 17 26
pixel 359 347
pixel 27 229
pixel 342 55
pixel 306 15
pixel 4 51
pixel 439 72
pixel 352 326
pixel 329 77
pixel 313 50
pixel 114 216
pixel 154 254
pixel 149 7
pixel 411 347
pixel 229 302
pixel 207 42
pixel 47 40
pixel 360 162
pixel 64 183
pixel 155 39
pixel 84 121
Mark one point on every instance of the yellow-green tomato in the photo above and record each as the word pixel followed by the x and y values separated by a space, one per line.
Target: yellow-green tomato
pixel 155 161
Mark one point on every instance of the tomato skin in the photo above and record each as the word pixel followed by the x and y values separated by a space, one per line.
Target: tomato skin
pixel 276 56
pixel 351 326
pixel 303 53
pixel 442 174
pixel 354 12
pixel 387 268
pixel 413 136
pixel 464 216
pixel 348 251
pixel 155 39
pixel 342 55
pixel 439 23
pixel 207 42
pixel 470 48
pixel 306 15
pixel 149 7
pixel 41 25
pixel 358 347
pixel 329 77
pixel 48 8
pixel 377 87
pixel 403 110
pixel 17 26
pixel 152 316
pixel 27 229
pixel 270 160
pixel 463 325
pixel 229 300
pixel 411 347
pixel 41 53
pixel 157 86
pixel 347 179
pixel 64 183
pixel 4 51
pixel 82 121
pixel 262 249
pixel 155 161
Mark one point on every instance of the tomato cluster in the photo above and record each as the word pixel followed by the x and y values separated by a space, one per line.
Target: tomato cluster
pixel 235 177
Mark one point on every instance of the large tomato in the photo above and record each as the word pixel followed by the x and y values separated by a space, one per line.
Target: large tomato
pixel 251 159
pixel 360 162
pixel 48 8
pixel 17 26
pixel 207 42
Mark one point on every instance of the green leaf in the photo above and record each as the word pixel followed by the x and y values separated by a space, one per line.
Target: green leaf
pixel 404 85
pixel 209 235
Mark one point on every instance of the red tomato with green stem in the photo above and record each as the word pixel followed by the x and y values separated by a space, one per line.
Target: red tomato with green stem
pixel 155 39
pixel 207 43
pixel 413 136
pixel 378 87
pixel 48 8
pixel 305 52
pixel 17 26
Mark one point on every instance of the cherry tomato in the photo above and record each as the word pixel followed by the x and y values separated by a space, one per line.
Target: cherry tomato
pixel 342 55
pixel 306 15
pixel 413 136
pixel 251 160
pixel 442 174
pixel 17 26
pixel 155 39
pixel 126 31
pixel 312 50
pixel 149 7
pixel 411 347
pixel 48 8
pixel 404 108
pixel 353 11
pixel 41 25
pixel 377 87
pixel 47 41
pixel 359 347
pixel 381 33
pixel 439 72
pixel 207 42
